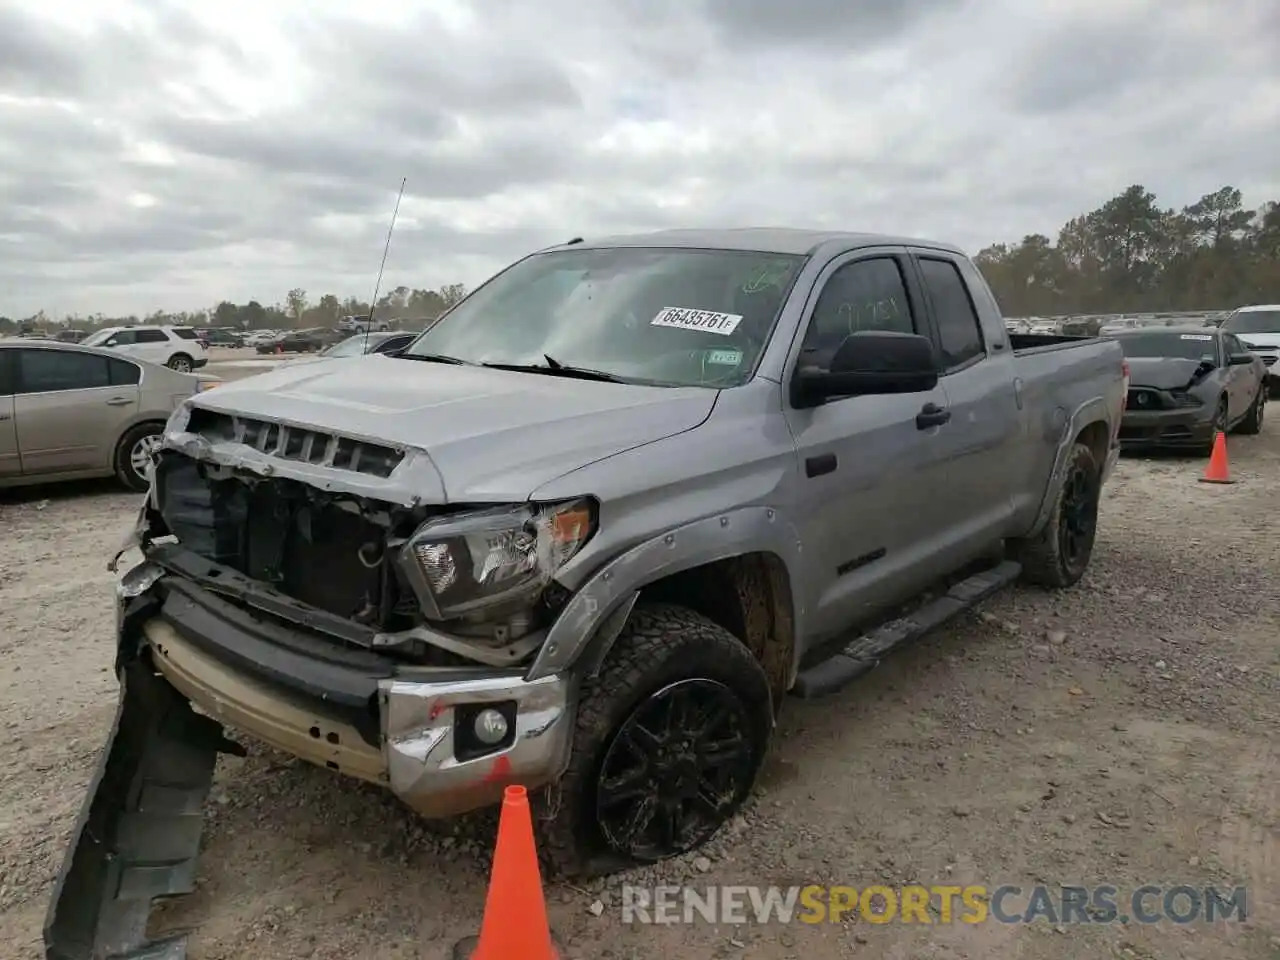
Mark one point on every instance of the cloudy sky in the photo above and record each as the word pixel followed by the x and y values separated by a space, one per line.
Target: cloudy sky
pixel 172 155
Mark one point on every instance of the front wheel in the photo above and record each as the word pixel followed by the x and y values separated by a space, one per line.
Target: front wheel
pixel 667 744
pixel 1252 423
pixel 1059 555
pixel 1221 417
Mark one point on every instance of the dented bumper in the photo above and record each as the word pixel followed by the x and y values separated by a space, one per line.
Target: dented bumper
pixel 410 729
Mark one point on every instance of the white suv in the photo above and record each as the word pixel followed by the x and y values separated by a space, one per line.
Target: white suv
pixel 361 324
pixel 178 348
pixel 1258 328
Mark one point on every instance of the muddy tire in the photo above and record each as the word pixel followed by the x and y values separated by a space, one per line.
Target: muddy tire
pixel 1252 423
pixel 134 451
pixel 670 736
pixel 1059 555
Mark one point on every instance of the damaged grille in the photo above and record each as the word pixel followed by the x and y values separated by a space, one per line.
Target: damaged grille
pixel 299 444
pixel 318 549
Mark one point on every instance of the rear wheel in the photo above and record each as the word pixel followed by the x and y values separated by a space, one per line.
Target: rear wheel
pixel 180 362
pixel 668 741
pixel 1252 423
pixel 134 454
pixel 1059 555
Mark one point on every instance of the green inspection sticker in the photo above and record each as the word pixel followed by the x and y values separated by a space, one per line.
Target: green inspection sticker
pixel 724 358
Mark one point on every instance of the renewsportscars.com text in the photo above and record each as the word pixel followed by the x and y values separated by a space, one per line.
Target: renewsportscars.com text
pixel 918 903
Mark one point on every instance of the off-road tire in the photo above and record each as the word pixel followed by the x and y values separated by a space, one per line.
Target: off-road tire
pixel 1252 422
pixel 661 644
pixel 125 471
pixel 177 360
pixel 1042 557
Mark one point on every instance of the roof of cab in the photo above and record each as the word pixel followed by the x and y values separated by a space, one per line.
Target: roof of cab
pixel 780 240
pixel 1258 308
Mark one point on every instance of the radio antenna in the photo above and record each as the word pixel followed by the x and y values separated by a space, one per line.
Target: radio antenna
pixel 377 285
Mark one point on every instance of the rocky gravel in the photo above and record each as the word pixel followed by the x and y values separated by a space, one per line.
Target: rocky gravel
pixel 1122 732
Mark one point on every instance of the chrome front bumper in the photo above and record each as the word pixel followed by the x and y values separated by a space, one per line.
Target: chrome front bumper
pixel 417 759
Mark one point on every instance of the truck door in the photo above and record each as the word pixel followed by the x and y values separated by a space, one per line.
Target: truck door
pixel 10 463
pixel 984 398
pixel 868 474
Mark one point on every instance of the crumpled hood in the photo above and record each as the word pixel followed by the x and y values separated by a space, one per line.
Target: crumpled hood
pixel 493 435
pixel 1162 373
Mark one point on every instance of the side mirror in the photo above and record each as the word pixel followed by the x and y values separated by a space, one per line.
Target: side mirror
pixel 1239 359
pixel 870 362
pixel 113 342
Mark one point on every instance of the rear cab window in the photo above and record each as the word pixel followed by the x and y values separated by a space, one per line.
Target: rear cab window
pixel 150 335
pixel 960 339
pixel 186 333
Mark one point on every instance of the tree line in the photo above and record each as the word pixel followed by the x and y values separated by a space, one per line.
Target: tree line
pixel 1133 256
pixel 1129 255
pixel 297 311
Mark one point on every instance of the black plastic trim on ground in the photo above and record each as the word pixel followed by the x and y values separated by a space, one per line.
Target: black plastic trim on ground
pixel 138 834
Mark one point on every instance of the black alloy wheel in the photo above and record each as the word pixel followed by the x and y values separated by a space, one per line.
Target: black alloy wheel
pixel 1079 516
pixel 678 765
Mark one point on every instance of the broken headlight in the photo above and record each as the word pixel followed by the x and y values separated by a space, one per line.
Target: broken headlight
pixel 491 558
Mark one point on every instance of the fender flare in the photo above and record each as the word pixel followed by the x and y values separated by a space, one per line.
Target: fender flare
pixel 1090 412
pixel 606 598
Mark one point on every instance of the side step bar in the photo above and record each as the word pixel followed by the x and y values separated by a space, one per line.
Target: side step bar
pixel 138 834
pixel 857 657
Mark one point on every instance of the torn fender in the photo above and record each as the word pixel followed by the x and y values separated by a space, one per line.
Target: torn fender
pixel 138 834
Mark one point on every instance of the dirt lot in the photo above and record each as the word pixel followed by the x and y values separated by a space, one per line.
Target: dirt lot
pixel 1124 733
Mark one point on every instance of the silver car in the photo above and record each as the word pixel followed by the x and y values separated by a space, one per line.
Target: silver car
pixel 69 412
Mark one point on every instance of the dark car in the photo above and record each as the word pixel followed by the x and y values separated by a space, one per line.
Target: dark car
pixel 297 341
pixel 1188 383
pixel 220 337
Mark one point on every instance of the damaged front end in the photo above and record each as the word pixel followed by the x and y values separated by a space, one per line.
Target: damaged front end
pixel 313 591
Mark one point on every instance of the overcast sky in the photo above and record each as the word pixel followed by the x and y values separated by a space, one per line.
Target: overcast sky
pixel 172 155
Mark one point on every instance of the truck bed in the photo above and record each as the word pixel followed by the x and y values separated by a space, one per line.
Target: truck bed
pixel 1024 343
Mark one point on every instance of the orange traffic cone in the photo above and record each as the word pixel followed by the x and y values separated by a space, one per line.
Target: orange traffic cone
pixel 1217 470
pixel 515 912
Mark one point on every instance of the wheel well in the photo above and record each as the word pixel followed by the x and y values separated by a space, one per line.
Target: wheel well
pixel 750 596
pixel 1095 437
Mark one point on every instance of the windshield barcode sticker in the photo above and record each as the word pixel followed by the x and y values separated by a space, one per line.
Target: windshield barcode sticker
pixel 1197 336
pixel 708 321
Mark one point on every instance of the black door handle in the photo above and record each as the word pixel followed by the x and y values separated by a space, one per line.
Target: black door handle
pixel 931 415
pixel 817 466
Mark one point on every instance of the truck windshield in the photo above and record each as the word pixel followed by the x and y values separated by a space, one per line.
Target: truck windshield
pixel 1180 346
pixel 669 317
pixel 1252 321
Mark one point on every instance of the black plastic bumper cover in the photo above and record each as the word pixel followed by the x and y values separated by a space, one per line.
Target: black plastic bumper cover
pixel 138 834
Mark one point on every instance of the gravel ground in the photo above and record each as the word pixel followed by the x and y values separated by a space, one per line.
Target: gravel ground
pixel 1123 732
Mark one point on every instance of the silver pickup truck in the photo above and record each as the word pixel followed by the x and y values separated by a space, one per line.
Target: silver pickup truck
pixel 583 534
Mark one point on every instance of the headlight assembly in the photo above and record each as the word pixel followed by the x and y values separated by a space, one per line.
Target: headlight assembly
pixel 489 558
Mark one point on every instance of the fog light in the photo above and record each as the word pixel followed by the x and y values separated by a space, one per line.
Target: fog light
pixel 490 727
